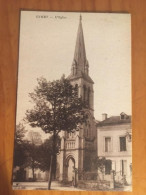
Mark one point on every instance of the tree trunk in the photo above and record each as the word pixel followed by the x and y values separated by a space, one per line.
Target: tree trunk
pixel 50 173
pixel 52 161
pixel 33 173
pixel 54 167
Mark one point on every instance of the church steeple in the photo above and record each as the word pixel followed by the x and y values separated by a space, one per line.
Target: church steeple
pixel 80 66
pixel 80 53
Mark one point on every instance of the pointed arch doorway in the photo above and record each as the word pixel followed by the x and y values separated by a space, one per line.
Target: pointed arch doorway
pixel 70 162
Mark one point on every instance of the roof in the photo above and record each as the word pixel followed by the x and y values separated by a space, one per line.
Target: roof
pixel 80 52
pixel 80 65
pixel 114 120
pixel 80 75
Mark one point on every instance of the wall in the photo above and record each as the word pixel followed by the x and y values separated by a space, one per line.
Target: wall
pixel 115 132
pixel 115 155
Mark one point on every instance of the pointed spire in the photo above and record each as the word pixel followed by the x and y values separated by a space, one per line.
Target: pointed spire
pixel 80 17
pixel 80 66
pixel 80 53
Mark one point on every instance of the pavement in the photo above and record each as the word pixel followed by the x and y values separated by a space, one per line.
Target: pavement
pixel 42 186
pixel 56 186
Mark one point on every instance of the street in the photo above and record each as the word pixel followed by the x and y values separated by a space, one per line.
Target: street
pixel 42 186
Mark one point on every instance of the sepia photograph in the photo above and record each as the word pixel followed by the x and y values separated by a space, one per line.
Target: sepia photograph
pixel 73 114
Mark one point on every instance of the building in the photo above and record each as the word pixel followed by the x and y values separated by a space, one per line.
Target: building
pixel 109 139
pixel 114 142
pixel 79 147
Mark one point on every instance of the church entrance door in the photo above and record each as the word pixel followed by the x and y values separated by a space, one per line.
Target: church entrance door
pixel 71 166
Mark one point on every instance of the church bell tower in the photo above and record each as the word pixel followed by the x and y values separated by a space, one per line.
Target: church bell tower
pixel 79 147
pixel 80 70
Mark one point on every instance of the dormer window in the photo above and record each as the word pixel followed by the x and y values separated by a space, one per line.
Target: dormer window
pixel 123 116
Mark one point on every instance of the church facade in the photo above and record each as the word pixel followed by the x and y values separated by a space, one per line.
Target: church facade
pixel 78 148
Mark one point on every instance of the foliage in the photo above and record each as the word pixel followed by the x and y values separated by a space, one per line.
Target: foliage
pixel 26 150
pixel 32 150
pixel 57 107
pixel 32 162
pixel 101 163
pixel 104 165
pixel 20 133
pixel 45 152
pixel 34 138
pixel 20 157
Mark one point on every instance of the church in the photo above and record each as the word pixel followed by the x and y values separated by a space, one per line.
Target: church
pixel 79 147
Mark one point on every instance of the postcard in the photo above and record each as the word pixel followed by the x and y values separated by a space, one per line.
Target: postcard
pixel 73 117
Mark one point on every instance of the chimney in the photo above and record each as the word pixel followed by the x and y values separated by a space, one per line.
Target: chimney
pixel 104 116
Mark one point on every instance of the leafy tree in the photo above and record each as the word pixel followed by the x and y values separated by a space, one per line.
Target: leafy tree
pixel 44 155
pixel 103 165
pixel 32 150
pixel 20 133
pixel 34 138
pixel 57 107
pixel 20 157
pixel 32 157
pixel 19 146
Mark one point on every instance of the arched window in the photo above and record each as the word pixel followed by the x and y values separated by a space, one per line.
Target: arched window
pixel 76 89
pixel 75 69
pixel 88 97
pixel 84 93
pixel 86 68
pixel 87 132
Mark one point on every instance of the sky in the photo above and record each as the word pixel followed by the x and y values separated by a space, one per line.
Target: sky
pixel 46 48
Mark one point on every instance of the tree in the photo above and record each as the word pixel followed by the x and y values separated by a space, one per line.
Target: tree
pixel 20 157
pixel 20 133
pixel 19 146
pixel 57 107
pixel 103 165
pixel 44 156
pixel 34 138
pixel 33 148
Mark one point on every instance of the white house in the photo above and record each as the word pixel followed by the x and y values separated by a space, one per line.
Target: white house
pixel 114 142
